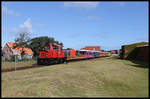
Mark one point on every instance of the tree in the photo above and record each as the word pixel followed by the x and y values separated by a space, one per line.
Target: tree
pixel 22 42
pixel 38 43
pixel 61 44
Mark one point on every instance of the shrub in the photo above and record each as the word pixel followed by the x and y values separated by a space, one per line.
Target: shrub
pixel 12 58
pixel 34 57
pixel 26 59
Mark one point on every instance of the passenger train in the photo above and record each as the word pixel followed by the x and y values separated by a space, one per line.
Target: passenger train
pixel 54 53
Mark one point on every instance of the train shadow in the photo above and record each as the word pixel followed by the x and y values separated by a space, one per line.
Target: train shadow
pixel 137 63
pixel 140 64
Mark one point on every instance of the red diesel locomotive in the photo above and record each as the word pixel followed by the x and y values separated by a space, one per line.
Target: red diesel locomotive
pixel 51 54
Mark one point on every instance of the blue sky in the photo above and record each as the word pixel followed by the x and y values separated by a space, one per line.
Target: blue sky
pixel 78 24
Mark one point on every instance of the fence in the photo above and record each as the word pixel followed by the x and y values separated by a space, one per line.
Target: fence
pixel 10 64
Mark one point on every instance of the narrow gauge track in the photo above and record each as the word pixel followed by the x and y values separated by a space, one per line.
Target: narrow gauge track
pixel 37 66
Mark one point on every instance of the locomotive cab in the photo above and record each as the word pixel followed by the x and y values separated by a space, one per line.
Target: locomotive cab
pixel 50 54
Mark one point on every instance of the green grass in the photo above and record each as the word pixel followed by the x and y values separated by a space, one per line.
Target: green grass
pixel 102 77
pixel 9 65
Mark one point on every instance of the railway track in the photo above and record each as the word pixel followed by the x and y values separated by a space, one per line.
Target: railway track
pixel 38 66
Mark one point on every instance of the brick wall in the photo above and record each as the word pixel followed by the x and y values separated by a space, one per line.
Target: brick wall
pixel 7 51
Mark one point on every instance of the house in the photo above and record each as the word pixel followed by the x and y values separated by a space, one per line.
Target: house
pixel 97 48
pixel 115 51
pixel 9 51
pixel 2 54
pixel 102 51
pixel 132 51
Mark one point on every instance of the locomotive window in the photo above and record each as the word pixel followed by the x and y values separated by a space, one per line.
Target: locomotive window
pixel 46 48
pixel 60 48
pixel 55 47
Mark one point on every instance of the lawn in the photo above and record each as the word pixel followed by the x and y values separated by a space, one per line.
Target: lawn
pixel 101 77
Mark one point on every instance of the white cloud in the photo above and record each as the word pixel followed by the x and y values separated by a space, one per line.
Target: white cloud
pixel 25 27
pixel 9 11
pixel 93 17
pixel 86 5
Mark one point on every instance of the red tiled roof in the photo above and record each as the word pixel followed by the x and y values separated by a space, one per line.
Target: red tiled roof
pixel 27 50
pixel 92 48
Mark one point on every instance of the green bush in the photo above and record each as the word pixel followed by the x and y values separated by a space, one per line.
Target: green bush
pixel 7 60
pixel 34 57
pixel 12 58
pixel 25 59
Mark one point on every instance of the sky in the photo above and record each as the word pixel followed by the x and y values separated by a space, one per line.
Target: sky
pixel 78 24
